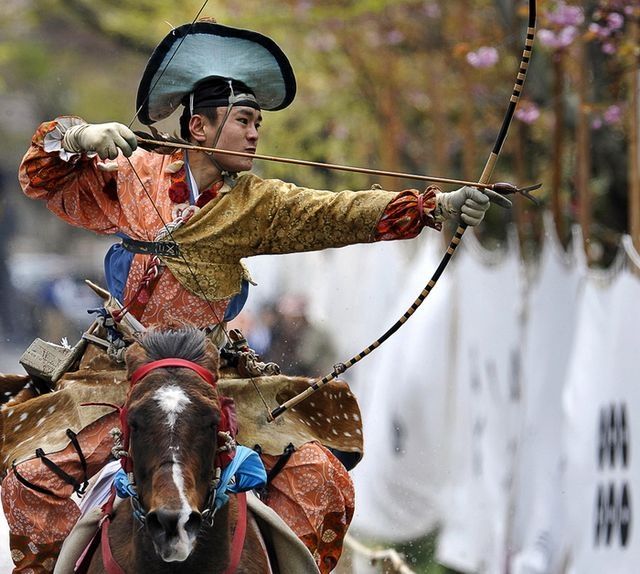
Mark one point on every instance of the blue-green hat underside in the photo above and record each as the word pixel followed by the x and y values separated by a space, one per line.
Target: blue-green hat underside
pixel 193 52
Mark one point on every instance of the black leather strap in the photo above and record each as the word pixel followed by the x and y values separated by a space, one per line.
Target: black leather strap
pixel 25 482
pixel 83 461
pixel 280 463
pixel 159 248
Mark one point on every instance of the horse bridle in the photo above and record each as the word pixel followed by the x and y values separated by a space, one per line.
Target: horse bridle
pixel 120 450
pixel 226 438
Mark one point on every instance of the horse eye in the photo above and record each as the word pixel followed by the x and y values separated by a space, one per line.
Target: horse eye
pixel 134 423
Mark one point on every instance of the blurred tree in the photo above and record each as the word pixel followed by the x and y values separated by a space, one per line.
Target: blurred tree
pixel 411 85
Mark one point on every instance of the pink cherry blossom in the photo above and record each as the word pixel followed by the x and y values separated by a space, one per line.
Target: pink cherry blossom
pixel 560 39
pixel 484 57
pixel 615 21
pixel 599 31
pixel 565 15
pixel 395 37
pixel 527 112
pixel 612 115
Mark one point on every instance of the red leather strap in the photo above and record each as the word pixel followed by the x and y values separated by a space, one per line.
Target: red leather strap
pixel 102 534
pixel 239 535
pixel 140 372
pixel 108 561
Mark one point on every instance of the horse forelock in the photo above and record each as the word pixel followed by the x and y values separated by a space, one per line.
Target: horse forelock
pixel 186 343
pixel 173 392
pixel 177 443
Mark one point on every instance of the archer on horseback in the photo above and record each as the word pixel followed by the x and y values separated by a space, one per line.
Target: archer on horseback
pixel 96 177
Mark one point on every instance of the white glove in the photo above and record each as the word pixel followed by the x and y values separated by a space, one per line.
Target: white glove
pixel 105 139
pixel 467 204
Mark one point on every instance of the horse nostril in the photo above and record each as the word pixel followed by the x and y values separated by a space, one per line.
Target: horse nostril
pixel 163 522
pixel 193 524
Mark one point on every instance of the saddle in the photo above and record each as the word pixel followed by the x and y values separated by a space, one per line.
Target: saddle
pixel 32 419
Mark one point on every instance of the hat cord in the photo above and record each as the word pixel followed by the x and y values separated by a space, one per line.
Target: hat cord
pixel 232 101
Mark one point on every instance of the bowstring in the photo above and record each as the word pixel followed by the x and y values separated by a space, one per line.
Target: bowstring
pixel 340 368
pixel 146 191
pixel 146 99
pixel 182 256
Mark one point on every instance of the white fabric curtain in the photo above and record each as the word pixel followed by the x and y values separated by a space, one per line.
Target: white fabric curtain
pixel 485 407
pixel 601 402
pixel 503 409
pixel 551 312
pixel 403 391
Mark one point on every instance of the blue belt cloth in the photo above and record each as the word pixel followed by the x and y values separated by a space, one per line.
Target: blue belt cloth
pixel 117 264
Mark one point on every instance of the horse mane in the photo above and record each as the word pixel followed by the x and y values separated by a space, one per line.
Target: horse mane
pixel 183 343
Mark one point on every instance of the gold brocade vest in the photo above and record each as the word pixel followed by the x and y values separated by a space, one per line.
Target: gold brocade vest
pixel 259 217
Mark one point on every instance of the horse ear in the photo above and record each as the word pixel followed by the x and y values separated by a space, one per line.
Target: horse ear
pixel 211 357
pixel 135 357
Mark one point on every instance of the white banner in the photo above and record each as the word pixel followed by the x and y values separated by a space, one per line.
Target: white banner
pixel 484 410
pixel 552 305
pixel 402 388
pixel 602 402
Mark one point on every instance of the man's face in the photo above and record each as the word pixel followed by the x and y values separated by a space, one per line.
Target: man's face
pixel 240 133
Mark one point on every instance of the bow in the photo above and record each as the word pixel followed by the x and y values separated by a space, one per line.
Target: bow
pixel 340 368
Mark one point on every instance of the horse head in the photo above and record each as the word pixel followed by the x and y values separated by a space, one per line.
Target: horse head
pixel 172 420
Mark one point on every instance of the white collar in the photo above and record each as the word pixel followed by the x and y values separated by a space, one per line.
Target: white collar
pixel 193 186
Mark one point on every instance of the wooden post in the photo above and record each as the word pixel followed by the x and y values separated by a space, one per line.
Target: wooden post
pixel 583 145
pixel 440 142
pixel 634 129
pixel 558 144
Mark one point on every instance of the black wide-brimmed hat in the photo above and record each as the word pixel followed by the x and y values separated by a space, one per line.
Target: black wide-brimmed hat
pixel 192 53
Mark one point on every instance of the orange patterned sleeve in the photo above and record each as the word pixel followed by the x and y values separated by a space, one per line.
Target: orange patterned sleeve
pixel 407 214
pixel 71 184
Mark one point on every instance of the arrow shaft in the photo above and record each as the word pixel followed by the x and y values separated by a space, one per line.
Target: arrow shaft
pixel 308 163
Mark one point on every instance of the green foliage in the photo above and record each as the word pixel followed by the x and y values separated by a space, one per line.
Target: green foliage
pixel 382 83
pixel 420 555
pixel 29 62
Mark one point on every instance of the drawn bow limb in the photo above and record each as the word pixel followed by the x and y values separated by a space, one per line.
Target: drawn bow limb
pixel 484 179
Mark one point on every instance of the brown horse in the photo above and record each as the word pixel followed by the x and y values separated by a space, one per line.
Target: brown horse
pixel 172 422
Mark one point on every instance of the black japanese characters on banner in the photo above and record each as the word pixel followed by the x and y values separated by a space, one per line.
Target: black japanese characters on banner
pixel 613 502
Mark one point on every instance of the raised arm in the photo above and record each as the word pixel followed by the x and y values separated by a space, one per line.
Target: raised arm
pixel 68 175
